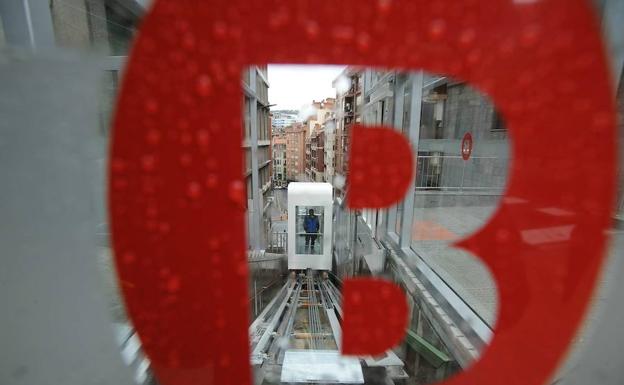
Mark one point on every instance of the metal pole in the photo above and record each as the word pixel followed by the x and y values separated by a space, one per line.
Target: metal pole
pixel 353 250
pixel 461 186
pixel 255 299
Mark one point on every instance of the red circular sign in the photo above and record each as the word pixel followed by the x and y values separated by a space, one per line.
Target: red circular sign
pixel 466 146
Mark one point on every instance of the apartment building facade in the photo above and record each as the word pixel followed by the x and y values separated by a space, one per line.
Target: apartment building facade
pixel 257 150
pixel 295 152
pixel 329 149
pixel 278 147
pixel 348 112
pixel 283 119
pixel 322 112
pixel 315 156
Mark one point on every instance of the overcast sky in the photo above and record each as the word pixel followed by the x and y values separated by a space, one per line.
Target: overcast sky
pixel 292 86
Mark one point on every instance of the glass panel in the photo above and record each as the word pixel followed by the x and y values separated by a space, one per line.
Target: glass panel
pixel 398 218
pixel 452 196
pixel 2 39
pixel 309 230
pixel 104 26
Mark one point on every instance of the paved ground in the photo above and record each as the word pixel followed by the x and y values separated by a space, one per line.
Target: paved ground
pixel 279 209
pixel 434 230
pixel 614 261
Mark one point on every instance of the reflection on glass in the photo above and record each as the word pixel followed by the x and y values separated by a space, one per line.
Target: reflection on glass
pixel 309 230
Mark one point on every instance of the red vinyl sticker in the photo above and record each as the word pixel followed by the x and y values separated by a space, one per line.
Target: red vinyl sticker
pixel 176 191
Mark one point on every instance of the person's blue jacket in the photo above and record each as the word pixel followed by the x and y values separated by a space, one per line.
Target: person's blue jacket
pixel 311 224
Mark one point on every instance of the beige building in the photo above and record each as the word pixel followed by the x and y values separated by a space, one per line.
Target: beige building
pixel 323 110
pixel 295 152
pixel 278 146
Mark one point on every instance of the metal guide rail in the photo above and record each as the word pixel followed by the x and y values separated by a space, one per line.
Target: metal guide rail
pixel 296 339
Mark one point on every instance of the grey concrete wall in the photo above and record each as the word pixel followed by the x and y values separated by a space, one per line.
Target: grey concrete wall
pixel 55 326
pixel 467 110
pixel 71 24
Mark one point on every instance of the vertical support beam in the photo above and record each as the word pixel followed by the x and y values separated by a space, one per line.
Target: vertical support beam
pixel 27 24
pixel 256 217
pixel 399 95
pixel 414 135
pixel 612 19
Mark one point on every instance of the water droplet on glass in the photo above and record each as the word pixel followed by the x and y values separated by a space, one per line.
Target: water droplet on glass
pixel 128 257
pixel 236 193
pixel 153 136
pixel 437 28
pixel 601 120
pixel 339 181
pixel 384 5
pixel 219 29
pixel 363 41
pixel 241 268
pixel 148 162
pixel 151 106
pixel 186 160
pixel 330 127
pixel 203 137
pixel 312 29
pixel 173 284
pixel 193 190
pixel 213 243
pixel 211 181
pixel 307 111
pixel 342 84
pixel 343 33
pixel 467 37
pixel 118 165
pixel 530 35
pixel 203 86
pixel 283 343
pixel 503 235
pixel 278 18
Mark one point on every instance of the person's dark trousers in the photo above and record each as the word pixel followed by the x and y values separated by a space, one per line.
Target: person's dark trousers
pixel 310 239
